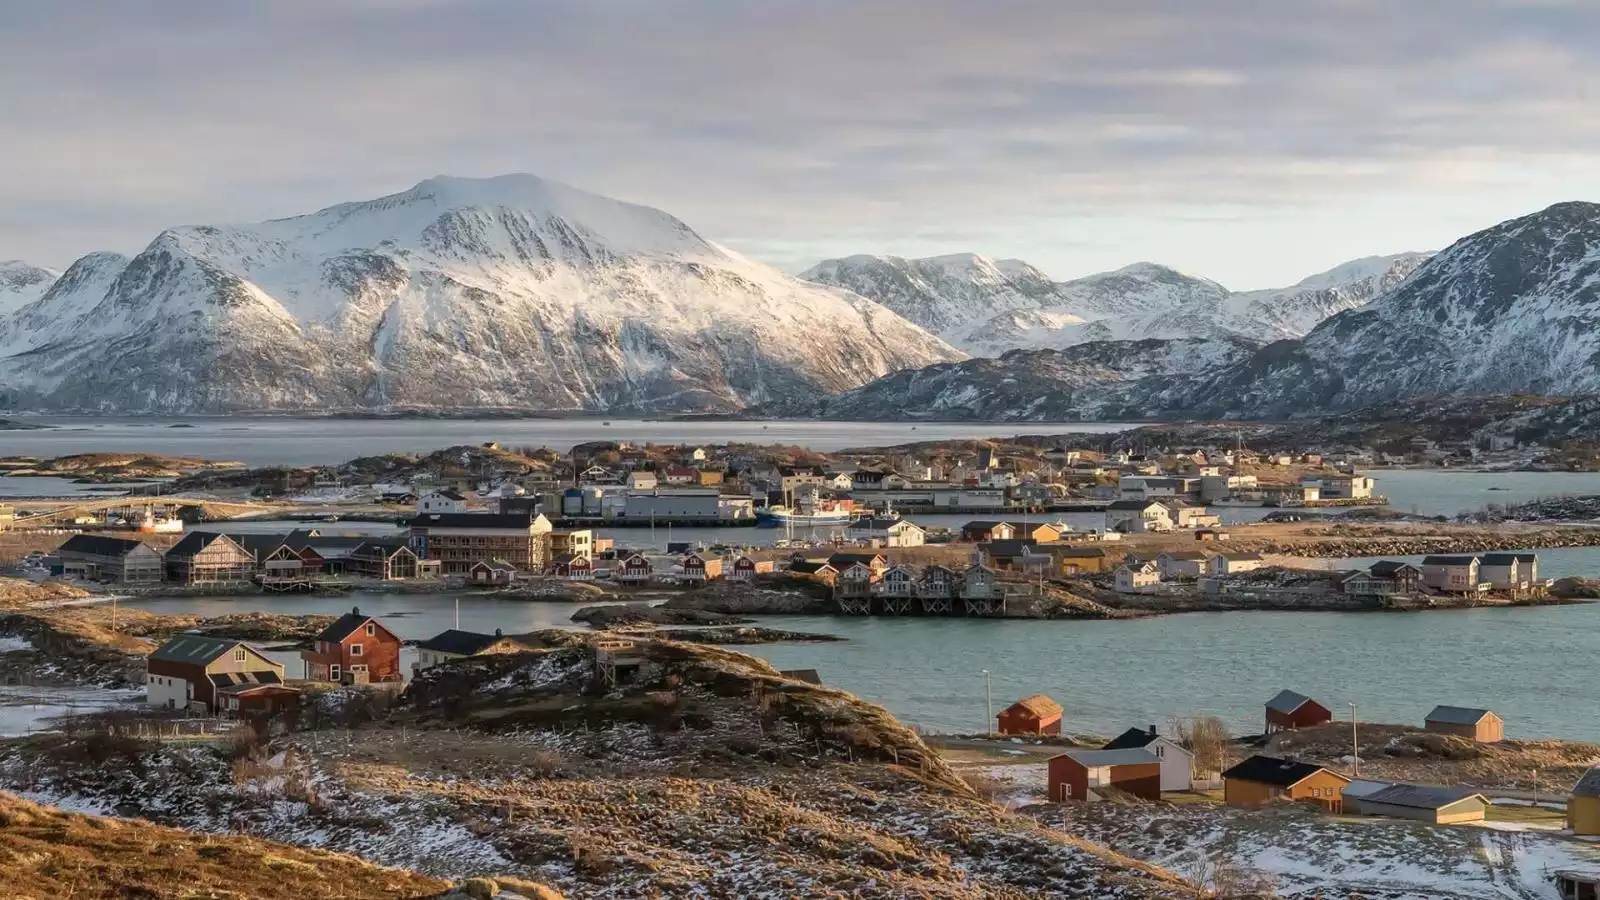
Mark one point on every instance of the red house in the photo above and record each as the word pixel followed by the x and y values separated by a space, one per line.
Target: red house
pixel 744 568
pixel 572 567
pixel 1289 711
pixel 355 649
pixel 636 569
pixel 699 569
pixel 1036 715
pixel 1075 773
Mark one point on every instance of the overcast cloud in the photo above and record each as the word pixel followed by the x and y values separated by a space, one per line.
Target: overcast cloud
pixel 1252 141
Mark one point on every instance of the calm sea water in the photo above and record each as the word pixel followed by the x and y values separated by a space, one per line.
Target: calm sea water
pixel 1111 675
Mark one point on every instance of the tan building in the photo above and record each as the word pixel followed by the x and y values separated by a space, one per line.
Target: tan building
pixel 1265 780
pixel 1473 724
pixel 459 540
pixel 578 542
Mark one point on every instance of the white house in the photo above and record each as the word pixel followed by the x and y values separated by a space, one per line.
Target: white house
pixel 1184 515
pixel 642 480
pixel 1139 579
pixel 1182 564
pixel 1134 516
pixel 1509 571
pixel 1177 763
pixel 1233 563
pixel 888 532
pixel 446 501
pixel 1348 487
pixel 1454 574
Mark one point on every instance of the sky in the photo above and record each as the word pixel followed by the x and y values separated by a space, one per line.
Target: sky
pixel 1250 141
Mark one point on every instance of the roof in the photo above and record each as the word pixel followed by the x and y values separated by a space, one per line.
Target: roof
pixel 448 494
pixel 982 525
pixel 1039 705
pixel 1188 556
pixel 258 545
pixel 518 521
pixel 1506 559
pixel 1030 526
pixel 1448 560
pixel 1417 796
pixel 1079 552
pixel 1012 547
pixel 841 560
pixel 230 679
pixel 1389 567
pixel 1132 504
pixel 196 541
pixel 193 649
pixel 344 626
pixel 381 547
pixel 1588 785
pixel 809 676
pixel 1288 702
pixel 808 566
pixel 1093 759
pixel 1132 739
pixel 1360 789
pixel 879 524
pixel 96 545
pixel 1244 557
pixel 1276 772
pixel 1457 715
pixel 463 643
pixel 497 565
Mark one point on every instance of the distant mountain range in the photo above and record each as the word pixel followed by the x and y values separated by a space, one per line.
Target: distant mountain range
pixel 458 293
pixel 1512 309
pixel 988 306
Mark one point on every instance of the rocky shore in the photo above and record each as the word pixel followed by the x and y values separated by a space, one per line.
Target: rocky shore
pixel 1463 541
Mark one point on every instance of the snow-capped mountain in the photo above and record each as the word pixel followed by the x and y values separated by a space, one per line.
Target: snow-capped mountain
pixel 988 307
pixel 21 284
pixel 508 292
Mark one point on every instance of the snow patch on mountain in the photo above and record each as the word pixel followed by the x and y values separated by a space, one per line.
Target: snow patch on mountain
pixel 22 283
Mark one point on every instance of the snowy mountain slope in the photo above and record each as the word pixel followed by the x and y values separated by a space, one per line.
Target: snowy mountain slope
pixel 512 291
pixel 21 284
pixel 988 307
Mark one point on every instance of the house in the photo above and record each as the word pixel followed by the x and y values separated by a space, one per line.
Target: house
pixel 888 532
pixel 635 569
pixel 577 541
pixel 642 480
pixel 1289 711
pixel 1423 803
pixel 816 570
pixel 936 583
pixel 746 569
pixel 680 475
pixel 273 556
pixel 979 582
pixel 496 572
pixel 1035 714
pixel 1382 579
pixel 458 540
pixel 1039 533
pixel 1135 516
pixel 1263 780
pixel 1008 554
pixel 445 501
pixel 117 560
pixel 897 582
pixel 1509 571
pixel 321 554
pixel 1182 564
pixel 1078 560
pixel 984 531
pixel 877 562
pixel 204 557
pixel 571 567
pixel 355 649
pixel 855 582
pixel 1177 763
pixel 1233 563
pixel 699 569
pixel 1583 807
pixel 186 671
pixel 1139 579
pixel 1479 725
pixel 388 559
pixel 1347 487
pixel 1452 574
pixel 1186 516
pixel 1074 774
pixel 454 644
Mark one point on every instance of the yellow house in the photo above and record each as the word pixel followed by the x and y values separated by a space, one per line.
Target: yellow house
pixel 1583 810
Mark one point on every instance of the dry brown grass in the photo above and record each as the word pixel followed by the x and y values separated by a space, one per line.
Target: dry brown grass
pixel 1403 753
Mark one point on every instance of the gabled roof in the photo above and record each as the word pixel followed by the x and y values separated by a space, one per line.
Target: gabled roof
pixel 344 626
pixel 808 566
pixel 1010 547
pixel 1079 552
pixel 1288 701
pixel 1360 789
pixel 97 545
pixel 1094 759
pixel 1457 715
pixel 461 643
pixel 1132 504
pixel 193 649
pixel 197 541
pixel 1501 559
pixel 982 525
pixel 229 679
pixel 258 545
pixel 1415 796
pixel 510 521
pixel 1037 704
pixel 1448 560
pixel 880 524
pixel 1132 739
pixel 841 560
pixel 1276 772
pixel 1588 785
pixel 1389 567
pixel 1187 556
pixel 448 494
pixel 495 565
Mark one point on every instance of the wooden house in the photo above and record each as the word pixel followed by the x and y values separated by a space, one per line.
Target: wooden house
pixel 204 557
pixel 1077 774
pixel 1038 532
pixel 699 569
pixel 745 568
pixel 816 570
pixel 1583 807
pixel 1509 571
pixel 1452 574
pixel 571 567
pixel 1079 560
pixel 187 671
pixel 119 560
pixel 877 562
pixel 1035 715
pixel 355 649
pixel 1382 579
pixel 1182 564
pixel 897 582
pixel 1473 724
pixel 855 581
pixel 1008 554
pixel 1224 564
pixel 385 559
pixel 980 582
pixel 888 532
pixel 455 644
pixel 1135 516
pixel 1263 780
pixel 1137 579
pixel 982 532
pixel 635 569
pixel 1177 762
pixel 936 582
pixel 492 572
pixel 1288 711
pixel 1432 804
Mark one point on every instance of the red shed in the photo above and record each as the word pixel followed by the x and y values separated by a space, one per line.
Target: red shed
pixel 1077 772
pixel 1037 714
pixel 1289 711
pixel 355 649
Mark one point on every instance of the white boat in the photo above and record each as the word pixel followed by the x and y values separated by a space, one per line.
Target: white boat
pixel 782 516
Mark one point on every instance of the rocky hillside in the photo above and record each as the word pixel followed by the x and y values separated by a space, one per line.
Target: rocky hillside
pixel 988 307
pixel 21 284
pixel 508 292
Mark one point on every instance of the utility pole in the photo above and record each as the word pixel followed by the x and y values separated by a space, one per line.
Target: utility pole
pixel 458 612
pixel 1355 751
pixel 988 703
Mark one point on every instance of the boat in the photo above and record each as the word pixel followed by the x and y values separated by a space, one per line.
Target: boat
pixel 825 514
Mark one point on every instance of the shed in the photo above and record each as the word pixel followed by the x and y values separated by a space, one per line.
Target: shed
pixel 1075 774
pixel 1035 714
pixel 1423 803
pixel 1583 809
pixel 1473 724
pixel 1288 711
pixel 1263 780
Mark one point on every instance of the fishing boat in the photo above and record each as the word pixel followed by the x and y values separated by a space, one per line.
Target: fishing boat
pixel 824 513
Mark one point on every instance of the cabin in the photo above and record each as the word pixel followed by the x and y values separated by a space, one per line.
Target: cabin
pixel 1183 564
pixel 699 569
pixel 1289 711
pixel 1479 725
pixel 1382 579
pixel 897 582
pixel 1135 516
pixel 1038 532
pixel 936 582
pixel 492 573
pixel 1076 775
pixel 1177 762
pixel 979 582
pixel 816 570
pixel 635 569
pixel 116 560
pixel 1583 808
pixel 1137 579
pixel 1263 780
pixel 855 582
pixel 1224 564
pixel 445 501
pixel 204 557
pixel 1033 715
pixel 188 670
pixel 982 532
pixel 571 567
pixel 877 562
pixel 1509 571
pixel 386 560
pixel 1008 554
pixel 1421 803
pixel 355 649
pixel 746 569
pixel 1080 560
pixel 888 532
pixel 454 644
pixel 1452 574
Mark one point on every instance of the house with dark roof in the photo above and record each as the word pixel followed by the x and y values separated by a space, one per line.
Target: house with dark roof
pixel 188 670
pixel 1473 724
pixel 888 532
pixel 983 531
pixel 1077 775
pixel 495 572
pixel 877 562
pixel 1035 714
pixel 1453 574
pixel 1386 578
pixel 1224 564
pixel 1177 763
pixel 1288 711
pixel 205 557
pixel 355 649
pixel 1509 571
pixel 1182 564
pixel 1583 807
pixel 455 644
pixel 118 560
pixel 814 569
pixel 1264 780
pixel 1433 804
pixel 1012 554
pixel 384 559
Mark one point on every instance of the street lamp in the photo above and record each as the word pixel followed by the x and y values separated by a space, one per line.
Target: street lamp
pixel 1355 747
pixel 988 704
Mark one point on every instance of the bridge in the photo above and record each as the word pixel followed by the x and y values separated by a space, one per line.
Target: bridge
pixel 33 512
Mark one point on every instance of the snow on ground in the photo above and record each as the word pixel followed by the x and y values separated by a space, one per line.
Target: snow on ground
pixel 14 644
pixel 30 710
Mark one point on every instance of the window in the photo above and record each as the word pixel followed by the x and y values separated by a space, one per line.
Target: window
pixel 1161 751
pixel 371 629
pixel 355 649
pixel 238 654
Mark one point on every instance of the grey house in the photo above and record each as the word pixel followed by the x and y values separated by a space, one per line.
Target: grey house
pixel 112 559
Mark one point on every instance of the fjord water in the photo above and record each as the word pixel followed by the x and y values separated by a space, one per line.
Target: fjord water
pixel 1111 675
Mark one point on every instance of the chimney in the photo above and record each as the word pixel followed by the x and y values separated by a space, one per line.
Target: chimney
pixel 497 633
pixel 355 610
pixel 1152 731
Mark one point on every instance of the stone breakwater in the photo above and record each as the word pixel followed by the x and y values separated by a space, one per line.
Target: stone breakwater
pixel 1488 540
